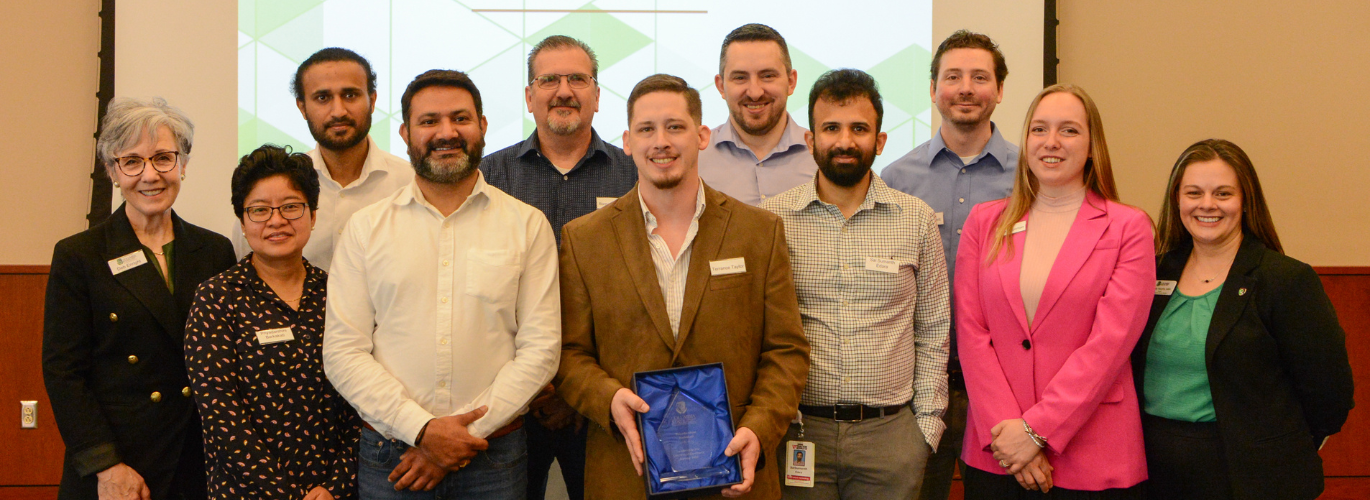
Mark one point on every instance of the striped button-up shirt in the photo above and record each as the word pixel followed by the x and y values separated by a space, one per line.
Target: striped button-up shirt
pixel 873 294
pixel 671 270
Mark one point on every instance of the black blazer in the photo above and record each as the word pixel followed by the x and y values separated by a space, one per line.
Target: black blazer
pixel 111 341
pixel 1277 369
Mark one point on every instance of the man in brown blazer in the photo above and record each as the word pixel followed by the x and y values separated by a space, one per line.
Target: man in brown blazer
pixel 677 274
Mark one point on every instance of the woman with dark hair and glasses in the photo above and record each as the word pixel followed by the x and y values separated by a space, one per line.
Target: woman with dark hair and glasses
pixel 115 318
pixel 1242 369
pixel 274 426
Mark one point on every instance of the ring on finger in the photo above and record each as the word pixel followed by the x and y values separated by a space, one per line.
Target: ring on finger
pixel 1003 464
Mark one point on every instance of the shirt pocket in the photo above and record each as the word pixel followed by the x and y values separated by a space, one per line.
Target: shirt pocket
pixel 492 275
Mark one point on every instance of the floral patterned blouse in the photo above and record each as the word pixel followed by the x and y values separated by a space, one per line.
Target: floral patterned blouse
pixel 274 426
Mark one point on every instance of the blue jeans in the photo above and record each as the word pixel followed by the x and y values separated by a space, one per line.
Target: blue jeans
pixel 499 473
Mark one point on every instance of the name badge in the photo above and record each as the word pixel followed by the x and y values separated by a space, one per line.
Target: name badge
pixel 734 265
pixel 1165 287
pixel 274 336
pixel 133 259
pixel 940 220
pixel 1019 227
pixel 799 460
pixel 881 265
pixel 601 202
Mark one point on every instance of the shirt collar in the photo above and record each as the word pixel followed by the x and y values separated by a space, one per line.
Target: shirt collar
pixel 370 166
pixel 878 193
pixel 411 194
pixel 533 145
pixel 792 137
pixel 996 147
pixel 651 219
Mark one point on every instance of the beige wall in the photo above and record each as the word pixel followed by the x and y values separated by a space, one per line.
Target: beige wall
pixel 47 118
pixel 1284 80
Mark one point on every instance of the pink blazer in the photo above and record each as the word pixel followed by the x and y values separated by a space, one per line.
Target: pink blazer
pixel 1069 376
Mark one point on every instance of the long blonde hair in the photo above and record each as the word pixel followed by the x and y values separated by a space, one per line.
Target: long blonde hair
pixel 1098 170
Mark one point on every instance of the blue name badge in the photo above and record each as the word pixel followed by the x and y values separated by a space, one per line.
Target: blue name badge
pixel 686 430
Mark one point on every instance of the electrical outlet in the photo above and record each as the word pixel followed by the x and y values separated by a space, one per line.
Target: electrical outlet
pixel 28 415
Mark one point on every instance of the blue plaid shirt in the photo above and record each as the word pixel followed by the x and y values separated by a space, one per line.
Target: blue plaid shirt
pixel 522 171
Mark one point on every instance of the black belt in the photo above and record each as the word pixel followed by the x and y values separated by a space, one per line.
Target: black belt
pixel 850 413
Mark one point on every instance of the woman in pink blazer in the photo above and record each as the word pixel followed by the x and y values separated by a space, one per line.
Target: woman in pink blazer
pixel 1053 287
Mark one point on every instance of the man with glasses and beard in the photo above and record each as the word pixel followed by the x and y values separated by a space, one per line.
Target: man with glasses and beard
pixel 965 163
pixel 444 316
pixel 759 152
pixel 335 90
pixel 872 286
pixel 565 170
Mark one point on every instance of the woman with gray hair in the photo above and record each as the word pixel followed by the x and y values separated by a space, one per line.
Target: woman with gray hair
pixel 113 329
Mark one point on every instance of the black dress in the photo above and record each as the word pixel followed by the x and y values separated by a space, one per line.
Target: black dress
pixel 274 426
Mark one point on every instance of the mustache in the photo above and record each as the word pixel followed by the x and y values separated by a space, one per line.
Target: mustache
pixel 854 152
pixel 340 121
pixel 569 102
pixel 456 143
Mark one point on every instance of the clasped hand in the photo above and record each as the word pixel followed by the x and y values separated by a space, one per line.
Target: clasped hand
pixel 446 447
pixel 1025 460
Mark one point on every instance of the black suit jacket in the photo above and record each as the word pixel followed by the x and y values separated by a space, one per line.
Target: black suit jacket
pixel 111 341
pixel 1277 369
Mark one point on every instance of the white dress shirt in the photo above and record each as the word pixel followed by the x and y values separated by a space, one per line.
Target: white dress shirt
pixel 671 269
pixel 382 174
pixel 430 316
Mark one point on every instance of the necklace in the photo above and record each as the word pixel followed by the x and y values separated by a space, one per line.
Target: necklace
pixel 160 254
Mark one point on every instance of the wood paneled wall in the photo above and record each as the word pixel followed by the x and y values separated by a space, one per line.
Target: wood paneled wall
pixel 34 459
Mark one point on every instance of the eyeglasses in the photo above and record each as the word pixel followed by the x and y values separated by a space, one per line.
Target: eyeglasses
pixel 133 165
pixel 552 80
pixel 289 211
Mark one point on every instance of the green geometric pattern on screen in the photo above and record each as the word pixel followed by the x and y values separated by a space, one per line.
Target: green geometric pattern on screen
pixel 294 29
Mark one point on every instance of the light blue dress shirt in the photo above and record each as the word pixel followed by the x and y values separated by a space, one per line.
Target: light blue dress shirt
pixel 728 165
pixel 934 174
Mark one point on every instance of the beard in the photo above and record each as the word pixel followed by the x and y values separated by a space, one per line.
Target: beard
pixel 447 171
pixel 332 143
pixel 669 182
pixel 570 123
pixel 768 122
pixel 845 174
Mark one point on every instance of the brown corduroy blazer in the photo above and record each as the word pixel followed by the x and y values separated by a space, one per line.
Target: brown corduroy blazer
pixel 614 324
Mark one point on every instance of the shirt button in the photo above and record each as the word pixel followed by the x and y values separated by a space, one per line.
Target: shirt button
pixel 443 300
pixel 445 262
pixel 963 170
pixel 442 383
pixel 844 266
pixel 962 200
pixel 1027 344
pixel 156 397
pixel 132 360
pixel 563 177
pixel 958 231
pixel 113 318
pixel 443 341
pixel 844 229
pixel 845 303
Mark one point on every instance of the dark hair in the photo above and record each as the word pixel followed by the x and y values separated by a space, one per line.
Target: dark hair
pixel 965 39
pixel 269 161
pixel 843 85
pixel 439 78
pixel 662 82
pixel 1256 219
pixel 562 42
pixel 754 32
pixel 332 54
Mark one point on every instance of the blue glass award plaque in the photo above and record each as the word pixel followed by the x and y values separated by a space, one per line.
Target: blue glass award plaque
pixel 686 430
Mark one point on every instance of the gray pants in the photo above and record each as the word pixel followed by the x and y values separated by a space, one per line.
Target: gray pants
pixel 881 458
pixel 941 465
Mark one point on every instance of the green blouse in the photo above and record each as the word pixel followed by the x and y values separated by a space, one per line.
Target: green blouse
pixel 168 274
pixel 1176 381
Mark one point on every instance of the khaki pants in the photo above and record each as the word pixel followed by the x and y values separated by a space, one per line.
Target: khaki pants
pixel 880 458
